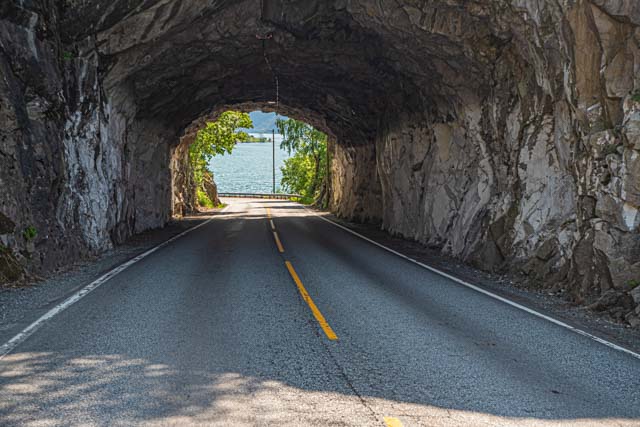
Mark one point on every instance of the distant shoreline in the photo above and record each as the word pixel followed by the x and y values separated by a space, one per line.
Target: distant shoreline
pixel 261 138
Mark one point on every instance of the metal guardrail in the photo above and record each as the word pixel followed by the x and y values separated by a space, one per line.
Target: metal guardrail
pixel 279 196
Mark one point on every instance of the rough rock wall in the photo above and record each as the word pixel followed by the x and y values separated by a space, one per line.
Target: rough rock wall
pixel 33 168
pixel 183 185
pixel 504 132
pixel 71 163
pixel 355 189
pixel 541 171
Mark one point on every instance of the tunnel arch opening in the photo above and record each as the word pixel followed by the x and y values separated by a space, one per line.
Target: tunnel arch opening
pixel 351 74
pixel 433 109
pixel 183 190
pixel 480 128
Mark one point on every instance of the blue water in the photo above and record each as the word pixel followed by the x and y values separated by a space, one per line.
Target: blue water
pixel 248 169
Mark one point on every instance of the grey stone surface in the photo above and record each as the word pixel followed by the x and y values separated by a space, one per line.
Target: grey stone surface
pixel 504 132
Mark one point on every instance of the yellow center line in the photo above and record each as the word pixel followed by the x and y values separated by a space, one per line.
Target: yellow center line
pixel 305 296
pixel 275 235
pixel 392 422
pixel 278 244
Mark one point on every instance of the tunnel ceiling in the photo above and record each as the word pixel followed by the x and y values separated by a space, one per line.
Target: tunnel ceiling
pixel 342 63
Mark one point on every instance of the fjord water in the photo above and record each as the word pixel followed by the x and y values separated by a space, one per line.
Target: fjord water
pixel 248 168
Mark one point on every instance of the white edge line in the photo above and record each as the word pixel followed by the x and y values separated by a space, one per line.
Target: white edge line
pixel 273 227
pixel 483 291
pixel 10 345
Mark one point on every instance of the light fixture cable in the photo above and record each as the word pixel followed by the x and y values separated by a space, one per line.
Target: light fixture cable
pixel 264 37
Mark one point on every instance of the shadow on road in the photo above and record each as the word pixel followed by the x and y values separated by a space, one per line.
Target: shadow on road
pixel 300 379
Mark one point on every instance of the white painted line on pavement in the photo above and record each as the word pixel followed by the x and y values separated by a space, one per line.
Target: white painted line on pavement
pixel 483 291
pixel 10 345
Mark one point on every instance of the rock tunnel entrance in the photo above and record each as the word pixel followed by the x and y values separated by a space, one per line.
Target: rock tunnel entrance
pixel 485 129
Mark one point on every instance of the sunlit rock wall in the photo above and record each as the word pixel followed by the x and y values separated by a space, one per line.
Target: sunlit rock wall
pixel 72 165
pixel 541 173
pixel 355 185
pixel 503 132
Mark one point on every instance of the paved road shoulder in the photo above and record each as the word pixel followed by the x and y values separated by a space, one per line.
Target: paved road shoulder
pixel 22 305
pixel 506 286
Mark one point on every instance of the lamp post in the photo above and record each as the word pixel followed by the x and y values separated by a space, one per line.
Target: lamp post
pixel 273 157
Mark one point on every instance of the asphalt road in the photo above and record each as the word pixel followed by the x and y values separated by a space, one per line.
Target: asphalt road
pixel 213 329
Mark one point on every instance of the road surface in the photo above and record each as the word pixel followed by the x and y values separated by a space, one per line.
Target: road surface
pixel 228 325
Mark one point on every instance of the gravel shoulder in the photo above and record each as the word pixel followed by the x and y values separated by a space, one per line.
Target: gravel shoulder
pixel 508 286
pixel 20 306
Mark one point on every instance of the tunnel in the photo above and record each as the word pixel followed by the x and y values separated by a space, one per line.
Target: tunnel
pixel 489 130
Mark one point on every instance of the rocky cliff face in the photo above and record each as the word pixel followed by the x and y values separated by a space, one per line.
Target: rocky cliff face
pixel 72 162
pixel 536 169
pixel 505 132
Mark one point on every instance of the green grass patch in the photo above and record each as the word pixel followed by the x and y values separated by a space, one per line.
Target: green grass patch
pixel 636 96
pixel 305 200
pixel 204 200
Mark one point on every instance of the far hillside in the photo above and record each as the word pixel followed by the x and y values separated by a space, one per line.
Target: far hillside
pixel 263 122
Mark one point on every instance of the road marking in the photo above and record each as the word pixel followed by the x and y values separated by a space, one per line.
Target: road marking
pixel 484 291
pixel 278 244
pixel 392 422
pixel 273 227
pixel 314 309
pixel 10 345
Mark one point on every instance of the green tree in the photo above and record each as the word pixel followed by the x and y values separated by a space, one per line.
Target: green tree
pixel 216 138
pixel 304 172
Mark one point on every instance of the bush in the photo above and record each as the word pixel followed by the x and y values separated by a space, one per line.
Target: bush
pixel 204 200
pixel 305 171
pixel 217 138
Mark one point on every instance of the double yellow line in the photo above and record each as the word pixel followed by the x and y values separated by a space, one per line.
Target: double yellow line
pixel 303 291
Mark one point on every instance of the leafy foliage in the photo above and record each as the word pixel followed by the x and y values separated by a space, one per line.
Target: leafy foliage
pixel 203 199
pixel 304 172
pixel 632 284
pixel 217 138
pixel 301 137
pixel 30 233
pixel 298 177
